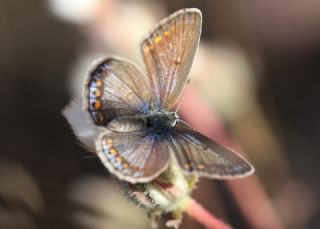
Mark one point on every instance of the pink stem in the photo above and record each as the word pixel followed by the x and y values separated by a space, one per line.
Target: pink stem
pixel 197 212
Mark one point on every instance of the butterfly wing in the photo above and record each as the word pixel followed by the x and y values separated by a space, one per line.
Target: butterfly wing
pixel 135 156
pixel 197 154
pixel 168 52
pixel 115 88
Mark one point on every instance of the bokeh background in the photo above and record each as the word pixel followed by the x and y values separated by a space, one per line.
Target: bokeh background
pixel 254 86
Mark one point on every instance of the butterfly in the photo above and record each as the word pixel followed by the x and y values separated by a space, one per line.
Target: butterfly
pixel 143 133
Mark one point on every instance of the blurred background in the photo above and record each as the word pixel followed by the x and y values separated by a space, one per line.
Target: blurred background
pixel 254 80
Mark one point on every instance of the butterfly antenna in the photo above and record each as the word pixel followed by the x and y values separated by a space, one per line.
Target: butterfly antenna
pixel 179 105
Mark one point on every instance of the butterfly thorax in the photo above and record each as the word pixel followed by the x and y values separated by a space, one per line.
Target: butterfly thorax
pixel 157 122
pixel 161 121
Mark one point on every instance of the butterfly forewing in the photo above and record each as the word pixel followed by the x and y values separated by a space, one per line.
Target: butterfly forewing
pixel 195 153
pixel 115 88
pixel 136 156
pixel 168 53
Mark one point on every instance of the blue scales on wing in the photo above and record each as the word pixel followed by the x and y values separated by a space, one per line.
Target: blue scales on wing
pixel 131 151
pixel 114 88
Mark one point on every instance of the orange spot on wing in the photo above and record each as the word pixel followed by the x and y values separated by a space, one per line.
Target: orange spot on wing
pixel 147 49
pixel 113 151
pixel 118 159
pixel 99 83
pixel 98 93
pixel 109 141
pixel 158 40
pixel 166 33
pixel 125 165
pixel 97 105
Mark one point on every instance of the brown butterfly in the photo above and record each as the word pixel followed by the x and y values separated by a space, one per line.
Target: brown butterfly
pixel 143 134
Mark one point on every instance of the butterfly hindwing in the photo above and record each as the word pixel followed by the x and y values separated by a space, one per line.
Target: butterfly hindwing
pixel 135 156
pixel 115 88
pixel 195 153
pixel 168 52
